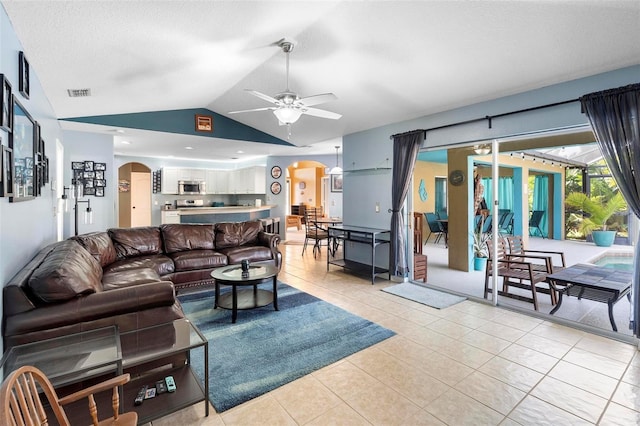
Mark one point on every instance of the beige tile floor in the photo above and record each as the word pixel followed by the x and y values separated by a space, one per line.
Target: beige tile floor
pixel 469 364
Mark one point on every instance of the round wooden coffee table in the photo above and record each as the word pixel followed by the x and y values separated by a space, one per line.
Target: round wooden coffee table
pixel 235 300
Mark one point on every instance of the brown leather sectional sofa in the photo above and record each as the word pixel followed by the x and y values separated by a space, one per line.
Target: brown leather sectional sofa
pixel 125 276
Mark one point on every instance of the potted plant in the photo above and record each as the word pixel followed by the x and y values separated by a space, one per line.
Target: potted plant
pixel 480 253
pixel 599 213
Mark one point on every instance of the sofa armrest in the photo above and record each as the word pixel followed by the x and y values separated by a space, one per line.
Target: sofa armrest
pixel 271 241
pixel 92 307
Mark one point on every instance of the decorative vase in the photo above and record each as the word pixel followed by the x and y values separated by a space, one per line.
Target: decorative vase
pixel 603 238
pixel 479 263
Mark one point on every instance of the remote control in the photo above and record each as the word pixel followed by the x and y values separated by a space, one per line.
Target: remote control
pixel 171 385
pixel 161 387
pixel 140 397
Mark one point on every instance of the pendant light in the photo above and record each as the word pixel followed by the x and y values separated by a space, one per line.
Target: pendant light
pixel 337 170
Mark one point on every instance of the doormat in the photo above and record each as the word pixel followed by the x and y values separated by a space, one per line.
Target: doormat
pixel 426 296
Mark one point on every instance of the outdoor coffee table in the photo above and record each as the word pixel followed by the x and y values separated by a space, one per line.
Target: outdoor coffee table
pixel 245 299
pixel 592 282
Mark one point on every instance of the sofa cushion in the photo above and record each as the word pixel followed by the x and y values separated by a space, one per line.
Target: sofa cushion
pixel 131 242
pixel 250 253
pixel 67 272
pixel 234 234
pixel 158 262
pixel 183 237
pixel 198 259
pixel 100 246
pixel 129 277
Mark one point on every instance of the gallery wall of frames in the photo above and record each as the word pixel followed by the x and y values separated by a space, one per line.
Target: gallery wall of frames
pixel 24 165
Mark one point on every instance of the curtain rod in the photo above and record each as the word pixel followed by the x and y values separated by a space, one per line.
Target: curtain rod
pixel 489 118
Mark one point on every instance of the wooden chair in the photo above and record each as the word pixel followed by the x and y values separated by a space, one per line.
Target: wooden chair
pixel 21 404
pixel 514 273
pixel 314 232
pixel 516 247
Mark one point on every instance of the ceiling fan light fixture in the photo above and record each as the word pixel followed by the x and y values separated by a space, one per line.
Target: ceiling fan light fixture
pixel 287 115
pixel 483 149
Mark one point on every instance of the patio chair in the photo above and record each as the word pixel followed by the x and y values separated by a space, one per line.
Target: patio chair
pixel 314 232
pixel 534 222
pixel 22 405
pixel 505 226
pixel 515 273
pixel 434 226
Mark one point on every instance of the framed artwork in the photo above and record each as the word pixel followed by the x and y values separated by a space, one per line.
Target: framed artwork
pixel 276 172
pixel 336 183
pixel 204 123
pixel 5 98
pixel 89 190
pixel 276 188
pixel 23 72
pixel 23 143
pixel 100 192
pixel 77 165
pixel 100 166
pixel 88 166
pixel 99 174
pixel 7 172
pixel 100 182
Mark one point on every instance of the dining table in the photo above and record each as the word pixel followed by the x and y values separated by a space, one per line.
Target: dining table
pixel 324 223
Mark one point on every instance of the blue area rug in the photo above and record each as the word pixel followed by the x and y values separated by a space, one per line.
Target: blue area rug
pixel 426 296
pixel 266 349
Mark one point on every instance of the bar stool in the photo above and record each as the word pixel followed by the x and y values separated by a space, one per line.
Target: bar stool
pixel 267 224
pixel 276 225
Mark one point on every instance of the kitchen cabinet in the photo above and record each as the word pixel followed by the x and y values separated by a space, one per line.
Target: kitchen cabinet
pixel 170 216
pixel 250 180
pixel 169 180
pixel 191 174
pixel 217 181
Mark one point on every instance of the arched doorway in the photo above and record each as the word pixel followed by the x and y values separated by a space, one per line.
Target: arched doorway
pixel 134 196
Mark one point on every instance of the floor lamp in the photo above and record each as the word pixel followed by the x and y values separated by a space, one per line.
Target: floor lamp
pixel 75 191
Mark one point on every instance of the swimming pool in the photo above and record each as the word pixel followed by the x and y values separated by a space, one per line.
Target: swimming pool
pixel 619 261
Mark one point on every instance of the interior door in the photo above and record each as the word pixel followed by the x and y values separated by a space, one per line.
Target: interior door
pixel 140 199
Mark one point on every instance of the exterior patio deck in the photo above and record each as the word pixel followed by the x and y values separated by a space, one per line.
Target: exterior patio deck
pixel 585 312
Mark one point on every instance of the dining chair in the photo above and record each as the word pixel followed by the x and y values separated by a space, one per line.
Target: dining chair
pixel 22 405
pixel 314 232
pixel 534 222
pixel 434 226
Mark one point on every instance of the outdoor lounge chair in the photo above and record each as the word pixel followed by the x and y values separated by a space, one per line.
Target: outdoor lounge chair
pixel 534 222
pixel 515 273
pixel 434 226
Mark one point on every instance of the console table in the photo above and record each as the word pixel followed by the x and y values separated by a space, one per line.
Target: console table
pixel 362 235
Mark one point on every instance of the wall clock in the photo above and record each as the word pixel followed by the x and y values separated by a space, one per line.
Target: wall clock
pixel 276 172
pixel 276 188
pixel 456 177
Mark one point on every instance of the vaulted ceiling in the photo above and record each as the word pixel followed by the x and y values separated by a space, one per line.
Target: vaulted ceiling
pixel 385 61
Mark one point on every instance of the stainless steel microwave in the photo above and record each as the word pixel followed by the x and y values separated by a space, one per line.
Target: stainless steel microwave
pixel 191 187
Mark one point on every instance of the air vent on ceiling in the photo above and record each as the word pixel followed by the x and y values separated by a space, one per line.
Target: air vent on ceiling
pixel 79 93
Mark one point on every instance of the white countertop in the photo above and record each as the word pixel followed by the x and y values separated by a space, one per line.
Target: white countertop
pixel 221 210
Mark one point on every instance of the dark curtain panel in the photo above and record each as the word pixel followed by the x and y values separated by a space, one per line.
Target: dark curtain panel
pixel 615 117
pixel 405 152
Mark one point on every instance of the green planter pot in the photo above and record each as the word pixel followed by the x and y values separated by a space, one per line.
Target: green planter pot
pixel 603 238
pixel 479 263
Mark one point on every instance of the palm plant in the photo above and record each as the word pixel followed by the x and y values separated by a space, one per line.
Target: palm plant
pixel 598 209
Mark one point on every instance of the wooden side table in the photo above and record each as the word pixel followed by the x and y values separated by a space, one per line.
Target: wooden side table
pixel 294 220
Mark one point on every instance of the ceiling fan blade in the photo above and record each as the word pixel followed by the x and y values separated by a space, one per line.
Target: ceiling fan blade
pixel 252 110
pixel 263 96
pixel 317 99
pixel 321 113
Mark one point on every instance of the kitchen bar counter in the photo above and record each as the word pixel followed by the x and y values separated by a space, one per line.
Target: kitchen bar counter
pixel 217 214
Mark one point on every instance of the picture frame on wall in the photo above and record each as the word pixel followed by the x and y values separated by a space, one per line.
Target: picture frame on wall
pixel 7 172
pixel 23 72
pixel 100 166
pixel 6 115
pixel 336 183
pixel 204 123
pixel 77 165
pixel 100 191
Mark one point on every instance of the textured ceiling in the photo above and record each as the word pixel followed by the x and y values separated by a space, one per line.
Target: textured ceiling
pixel 386 61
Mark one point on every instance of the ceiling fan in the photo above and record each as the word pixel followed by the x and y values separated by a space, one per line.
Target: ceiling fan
pixel 288 105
